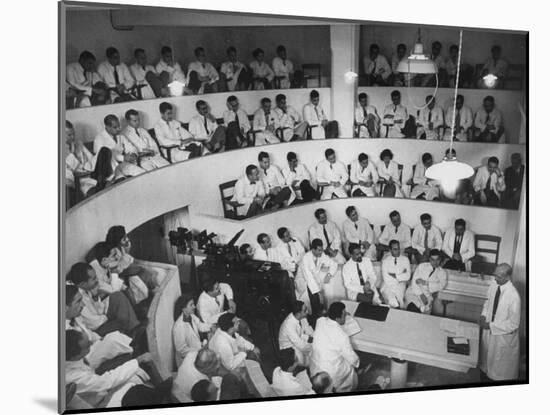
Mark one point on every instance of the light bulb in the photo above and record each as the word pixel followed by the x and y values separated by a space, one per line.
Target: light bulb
pixel 449 186
pixel 350 77
pixel 490 80
pixel 176 88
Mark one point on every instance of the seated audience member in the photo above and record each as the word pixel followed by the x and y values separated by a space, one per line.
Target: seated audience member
pixel 459 247
pixel 104 259
pixel 102 349
pixel 146 395
pixel 428 279
pixel 202 77
pixel 489 184
pixel 265 250
pixel 328 232
pixel 488 122
pixel 250 192
pixel 280 195
pixel 322 383
pixel 296 333
pixel 424 188
pixel 262 74
pixel 283 69
pixel 231 348
pixel 212 301
pixel 425 238
pixel 234 74
pixel 396 273
pixel 495 66
pixel 124 164
pixel 332 351
pixel 169 69
pixel 466 77
pixel 463 121
pixel 247 252
pixel 389 176
pixel 359 277
pixel 314 115
pixel 102 312
pixel 170 133
pixel 87 84
pixel 284 382
pixel 265 124
pixel 513 180
pixel 205 129
pixel 139 142
pixel 430 121
pixel 400 79
pixel 236 123
pixel 394 118
pixel 439 60
pixel 367 120
pixel 376 67
pixel 79 164
pixel 290 251
pixel 152 84
pixel 364 177
pixel 199 365
pixel 317 269
pixel 332 176
pixel 117 76
pixel 395 230
pixel 290 120
pixel 297 176
pixel 231 388
pixel 103 173
pixel 358 230
pixel 188 329
pixel 90 386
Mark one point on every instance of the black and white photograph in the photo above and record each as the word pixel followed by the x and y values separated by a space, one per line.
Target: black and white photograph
pixel 262 207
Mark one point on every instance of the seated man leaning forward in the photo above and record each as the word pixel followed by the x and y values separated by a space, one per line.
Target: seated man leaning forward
pixel 250 192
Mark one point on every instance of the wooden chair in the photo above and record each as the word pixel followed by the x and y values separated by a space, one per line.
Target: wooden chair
pixel 400 170
pixel 165 151
pixel 229 206
pixel 312 72
pixel 486 258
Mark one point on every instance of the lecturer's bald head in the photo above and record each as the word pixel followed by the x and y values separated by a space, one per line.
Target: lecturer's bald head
pixel 503 273
pixel 207 362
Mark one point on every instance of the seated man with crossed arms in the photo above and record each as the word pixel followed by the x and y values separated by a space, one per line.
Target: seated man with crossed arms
pixel 360 278
pixel 396 273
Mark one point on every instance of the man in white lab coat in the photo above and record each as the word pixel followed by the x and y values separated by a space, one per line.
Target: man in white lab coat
pixel 139 141
pixel 328 232
pixel 430 121
pixel 250 192
pixel 424 188
pixel 199 365
pixel 464 121
pixel 213 301
pixel 332 351
pixel 234 74
pixel 489 184
pixel 265 251
pixel 332 176
pixel 205 129
pixel 236 123
pixel 117 76
pixel 359 277
pixel 202 77
pixel 358 230
pixel 459 247
pixel 296 333
pixel 376 67
pixel 297 176
pixel 488 122
pixel 86 82
pixel 425 237
pixel 280 195
pixel 367 120
pixel 169 69
pixel 428 279
pixel 79 164
pixel 283 68
pixel 394 117
pixel 290 251
pixel 364 177
pixel 395 230
pixel 262 74
pixel 265 124
pixel 500 321
pixel 396 273
pixel 284 382
pixel 290 120
pixel 317 120
pixel 148 81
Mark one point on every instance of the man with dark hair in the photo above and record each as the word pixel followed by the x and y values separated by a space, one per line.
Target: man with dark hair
pixel 247 252
pixel 328 232
pixel 396 273
pixel 428 279
pixel 439 60
pixel 321 383
pixel 231 388
pixel 359 277
pixel 265 251
pixel 297 176
pixel 204 391
pixel 394 117
pixel 138 141
pixel 364 177
pixel 488 122
pixel 367 120
pixel 426 237
pixel 283 68
pixel 205 129
pixel 250 192
pixel 395 230
pixel 358 230
pixel 285 382
pixel 489 184
pixel 376 67
pixel 236 123
pixel 265 124
pixel 105 259
pixel 280 195
pixel 215 298
pixel 202 77
pixel 332 176
pixel 290 251
pixel 290 120
pixel 86 84
pixel 117 77
pixel 167 68
pixel 296 333
pixel 430 121
pixel 424 188
pixel 151 84
pixel 466 78
pixel 262 75
pixel 463 121
pixel 513 180
pixel 235 76
pixel 79 164
pixel 459 247
pixel 400 79
pixel 332 350
pixel 317 120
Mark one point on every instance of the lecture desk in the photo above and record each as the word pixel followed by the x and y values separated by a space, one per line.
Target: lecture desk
pixel 405 336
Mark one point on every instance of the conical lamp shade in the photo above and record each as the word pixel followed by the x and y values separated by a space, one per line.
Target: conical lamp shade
pixel 449 171
pixel 417 62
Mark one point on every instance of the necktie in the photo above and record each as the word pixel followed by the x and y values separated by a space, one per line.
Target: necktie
pixel 373 67
pixel 495 303
pixel 433 270
pixel 206 126
pixel 237 120
pixel 458 242
pixel 487 118
pixel 317 112
pixel 315 261
pixel 360 274
pixel 325 233
pixel 395 260
pixel 84 72
pixel 137 132
pixel 365 113
pixel 117 80
pixel 457 122
pixel 430 116
pixel 267 119
pixel 426 239
pixel 203 66
pixel 356 227
pixel 396 229
pixel 289 249
pixel 330 165
pixel 488 184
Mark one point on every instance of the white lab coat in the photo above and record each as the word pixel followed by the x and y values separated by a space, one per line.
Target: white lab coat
pixel 435 240
pixel 186 336
pixel 314 270
pixel 286 384
pixel 500 344
pixel 245 192
pixel 209 308
pixel 82 80
pixel 143 142
pixel 261 70
pixel 197 129
pixel 332 353
pixel 80 160
pixel 358 173
pixel 290 254
pixel 230 350
pixel 116 145
pixel 270 255
pixel 314 116
pixel 283 68
pixel 392 170
pixel 353 283
pixel 315 231
pixel 359 232
pixel 393 288
pixel 139 72
pixel 109 281
pixel 498 68
pixel 203 69
pixel 295 333
pixel 300 174
pixel 94 313
pixel 290 121
pixel 326 173
pixel 435 116
pixel 361 119
pixel 232 70
pixel 244 123
pixel 497 182
pixel 260 123
pixel 393 119
pixel 422 185
pixel 272 178
pixel 403 235
pixel 437 280
pixel 186 378
pixel 107 72
pixel 170 134
pixel 465 121
pixel 482 118
pixel 174 70
pixel 467 247
pixel 378 66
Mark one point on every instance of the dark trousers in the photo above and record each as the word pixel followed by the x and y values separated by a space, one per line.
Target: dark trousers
pixel 217 141
pixel 358 193
pixel 455 265
pixel 331 130
pixel 308 192
pixel 316 306
pixel 412 307
pixel 254 209
pixel 232 388
pixel 234 137
pixel 120 314
pixel 492 198
pixel 389 190
pixel 281 197
pixel 195 84
pixel 157 82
